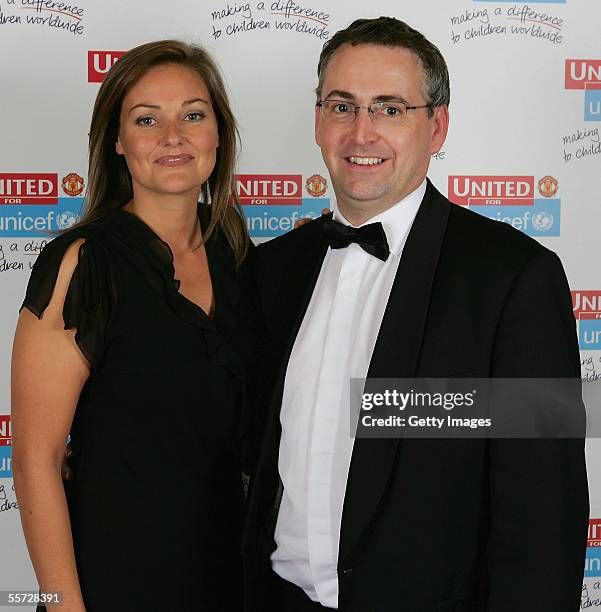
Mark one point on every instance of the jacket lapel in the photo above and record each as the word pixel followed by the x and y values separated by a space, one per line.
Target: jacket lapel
pixel 395 355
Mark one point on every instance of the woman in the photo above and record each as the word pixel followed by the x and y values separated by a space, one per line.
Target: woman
pixel 134 338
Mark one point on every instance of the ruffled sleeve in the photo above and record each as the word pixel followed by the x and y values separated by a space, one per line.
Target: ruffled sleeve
pixel 91 294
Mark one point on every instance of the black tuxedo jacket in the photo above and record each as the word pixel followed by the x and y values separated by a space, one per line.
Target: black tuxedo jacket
pixel 446 525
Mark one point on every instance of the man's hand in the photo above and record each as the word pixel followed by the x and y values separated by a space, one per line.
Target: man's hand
pixel 304 220
pixel 66 471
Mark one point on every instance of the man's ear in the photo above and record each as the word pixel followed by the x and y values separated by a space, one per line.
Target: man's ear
pixel 440 127
pixel 317 124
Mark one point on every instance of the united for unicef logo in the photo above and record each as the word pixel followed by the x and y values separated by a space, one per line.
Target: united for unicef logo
pixel 20 190
pixel 65 220
pixel 542 221
pixel 511 199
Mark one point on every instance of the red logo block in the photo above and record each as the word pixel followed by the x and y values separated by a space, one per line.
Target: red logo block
pixel 586 302
pixel 6 436
pixel 594 533
pixel 589 316
pixel 269 189
pixel 100 62
pixel 491 190
pixel 583 74
pixel 28 188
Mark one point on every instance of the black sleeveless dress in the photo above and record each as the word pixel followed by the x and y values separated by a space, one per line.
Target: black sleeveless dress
pixel 158 433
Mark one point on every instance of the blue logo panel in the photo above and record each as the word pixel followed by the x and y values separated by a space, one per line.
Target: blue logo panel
pixel 6 461
pixel 592 564
pixel 541 219
pixel 589 334
pixel 275 220
pixel 34 220
pixel 592 104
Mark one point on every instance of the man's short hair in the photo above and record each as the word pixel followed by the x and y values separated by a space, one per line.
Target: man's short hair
pixel 391 32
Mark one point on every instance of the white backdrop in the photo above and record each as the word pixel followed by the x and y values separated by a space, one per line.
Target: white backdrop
pixel 523 145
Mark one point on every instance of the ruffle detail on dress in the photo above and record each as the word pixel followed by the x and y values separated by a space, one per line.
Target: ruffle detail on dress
pixel 158 257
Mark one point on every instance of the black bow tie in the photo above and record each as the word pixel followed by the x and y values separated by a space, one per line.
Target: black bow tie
pixel 371 237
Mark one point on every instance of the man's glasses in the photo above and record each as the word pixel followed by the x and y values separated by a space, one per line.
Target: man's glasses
pixel 342 111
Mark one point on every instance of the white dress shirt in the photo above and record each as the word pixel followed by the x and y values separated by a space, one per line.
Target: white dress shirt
pixel 335 343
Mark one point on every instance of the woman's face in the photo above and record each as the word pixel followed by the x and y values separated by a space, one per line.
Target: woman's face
pixel 168 132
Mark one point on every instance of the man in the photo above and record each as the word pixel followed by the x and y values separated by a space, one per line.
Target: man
pixel 427 289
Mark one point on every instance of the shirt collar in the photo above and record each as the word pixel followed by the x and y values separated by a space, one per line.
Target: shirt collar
pixel 396 220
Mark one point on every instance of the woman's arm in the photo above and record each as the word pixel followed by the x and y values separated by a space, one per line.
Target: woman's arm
pixel 48 373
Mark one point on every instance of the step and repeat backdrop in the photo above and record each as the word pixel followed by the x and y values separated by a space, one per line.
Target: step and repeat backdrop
pixel 523 148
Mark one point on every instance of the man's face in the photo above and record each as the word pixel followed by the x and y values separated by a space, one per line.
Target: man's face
pixel 364 74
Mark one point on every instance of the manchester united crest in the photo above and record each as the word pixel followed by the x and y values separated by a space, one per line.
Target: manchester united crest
pixel 316 185
pixel 548 186
pixel 72 184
